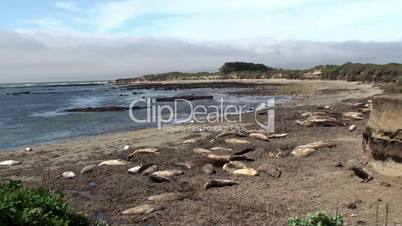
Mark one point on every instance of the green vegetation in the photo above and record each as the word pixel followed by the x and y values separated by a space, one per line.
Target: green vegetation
pixel 317 219
pixel 241 70
pixel 23 206
pixel 242 66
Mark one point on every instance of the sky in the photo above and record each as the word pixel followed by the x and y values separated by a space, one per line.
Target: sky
pixel 67 40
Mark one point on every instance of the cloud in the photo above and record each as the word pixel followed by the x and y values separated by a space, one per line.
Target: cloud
pixel 28 56
pixel 67 5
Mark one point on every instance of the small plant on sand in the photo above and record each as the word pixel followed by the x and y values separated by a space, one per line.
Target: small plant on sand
pixel 20 205
pixel 317 219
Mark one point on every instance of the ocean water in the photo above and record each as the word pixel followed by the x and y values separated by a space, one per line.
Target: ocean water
pixel 40 117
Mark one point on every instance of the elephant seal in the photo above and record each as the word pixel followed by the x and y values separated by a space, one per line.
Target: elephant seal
pixel 246 172
pixel 208 169
pixel 113 162
pixel 258 136
pixel 87 169
pixel 10 163
pixel 219 183
pixel 167 197
pixel 142 210
pixel 236 141
pixel 232 166
pixel 68 175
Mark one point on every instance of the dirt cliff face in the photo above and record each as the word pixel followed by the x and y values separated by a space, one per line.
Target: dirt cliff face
pixel 383 137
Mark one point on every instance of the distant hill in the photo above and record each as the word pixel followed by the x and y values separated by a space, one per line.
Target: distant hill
pixel 242 70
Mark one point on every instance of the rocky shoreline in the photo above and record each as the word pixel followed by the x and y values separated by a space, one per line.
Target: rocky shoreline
pixel 160 177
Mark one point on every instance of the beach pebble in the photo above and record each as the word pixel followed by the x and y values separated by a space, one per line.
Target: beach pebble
pixel 167 197
pixel 141 210
pixel 352 127
pixel 92 184
pixel 113 162
pixel 68 175
pixel 219 183
pixel 10 163
pixel 28 149
pixel 236 141
pixel 87 169
pixel 246 172
pixel 208 169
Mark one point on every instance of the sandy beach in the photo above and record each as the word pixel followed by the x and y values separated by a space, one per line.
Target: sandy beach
pixel 320 181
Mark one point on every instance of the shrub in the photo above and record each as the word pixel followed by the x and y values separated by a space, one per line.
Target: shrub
pixel 24 206
pixel 317 219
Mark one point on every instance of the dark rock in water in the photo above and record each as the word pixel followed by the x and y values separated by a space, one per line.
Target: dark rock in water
pixel 18 93
pixel 189 98
pixel 102 109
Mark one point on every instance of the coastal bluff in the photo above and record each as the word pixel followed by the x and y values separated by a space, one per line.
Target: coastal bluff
pixel 382 139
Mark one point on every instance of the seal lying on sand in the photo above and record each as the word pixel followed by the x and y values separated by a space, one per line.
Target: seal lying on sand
pixel 219 183
pixel 167 197
pixel 113 162
pixel 236 141
pixel 142 210
pixel 10 163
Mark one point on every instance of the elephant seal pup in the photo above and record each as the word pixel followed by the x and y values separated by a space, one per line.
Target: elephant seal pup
pixel 219 183
pixel 232 166
pixel 220 149
pixel 258 136
pixel 142 210
pixel 87 169
pixel 201 151
pixel 68 175
pixel 278 135
pixel 167 197
pixel 113 162
pixel 190 141
pixel 224 134
pixel 144 151
pixel 244 150
pixel 218 160
pixel 148 169
pixel 236 141
pixel 246 172
pixel 134 170
pixel 10 163
pixel 165 175
pixel 208 169
pixel 241 158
